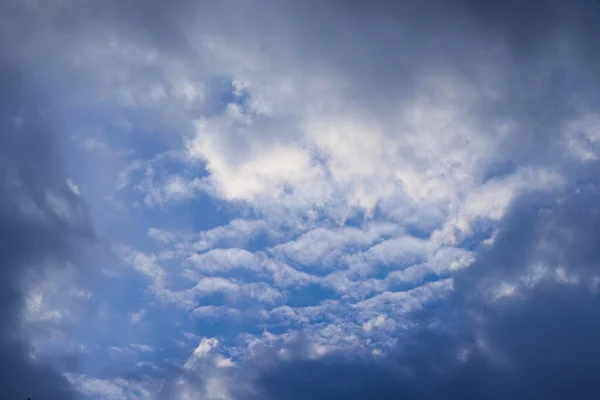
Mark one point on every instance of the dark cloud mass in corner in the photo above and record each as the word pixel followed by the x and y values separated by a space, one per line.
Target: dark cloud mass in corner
pixel 32 230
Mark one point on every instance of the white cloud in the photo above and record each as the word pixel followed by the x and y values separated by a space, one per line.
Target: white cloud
pixel 323 246
pixel 236 232
pixel 234 291
pixel 491 200
pixel 122 350
pixel 378 322
pixel 142 347
pixel 224 260
pixel 398 303
pixel 356 163
pixel 73 187
pixel 207 360
pixel 136 317
pixel 211 312
pixel 146 264
pixel 110 389
pixel 249 172
pixel 175 188
pixel 285 276
pixel 161 235
pixel 443 261
pixel 206 346
pixel 210 285
pixel 405 250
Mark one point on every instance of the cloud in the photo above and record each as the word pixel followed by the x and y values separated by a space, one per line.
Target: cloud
pixel 41 219
pixel 341 199
pixel 95 388
pixel 537 340
pixel 146 264
pixel 215 312
pixel 461 155
pixel 223 260
pixel 136 317
pixel 322 247
pixel 206 374
pixel 236 232
pixel 141 347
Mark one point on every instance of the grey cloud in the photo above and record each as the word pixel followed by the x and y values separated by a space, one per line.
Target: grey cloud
pixel 538 56
pixel 532 64
pixel 33 229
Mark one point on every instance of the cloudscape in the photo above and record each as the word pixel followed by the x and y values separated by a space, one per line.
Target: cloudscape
pixel 299 199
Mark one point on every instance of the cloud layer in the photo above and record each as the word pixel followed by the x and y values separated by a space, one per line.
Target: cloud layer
pixel 299 199
pixel 41 218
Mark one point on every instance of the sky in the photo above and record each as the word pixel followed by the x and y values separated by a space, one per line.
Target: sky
pixel 290 200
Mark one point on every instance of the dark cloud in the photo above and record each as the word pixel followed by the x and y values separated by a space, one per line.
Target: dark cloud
pixel 40 222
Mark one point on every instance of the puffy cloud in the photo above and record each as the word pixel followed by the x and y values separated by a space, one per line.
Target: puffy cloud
pixel 323 247
pixel 237 231
pixel 223 260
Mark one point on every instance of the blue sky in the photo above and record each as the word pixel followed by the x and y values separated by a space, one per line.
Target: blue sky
pixel 299 200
